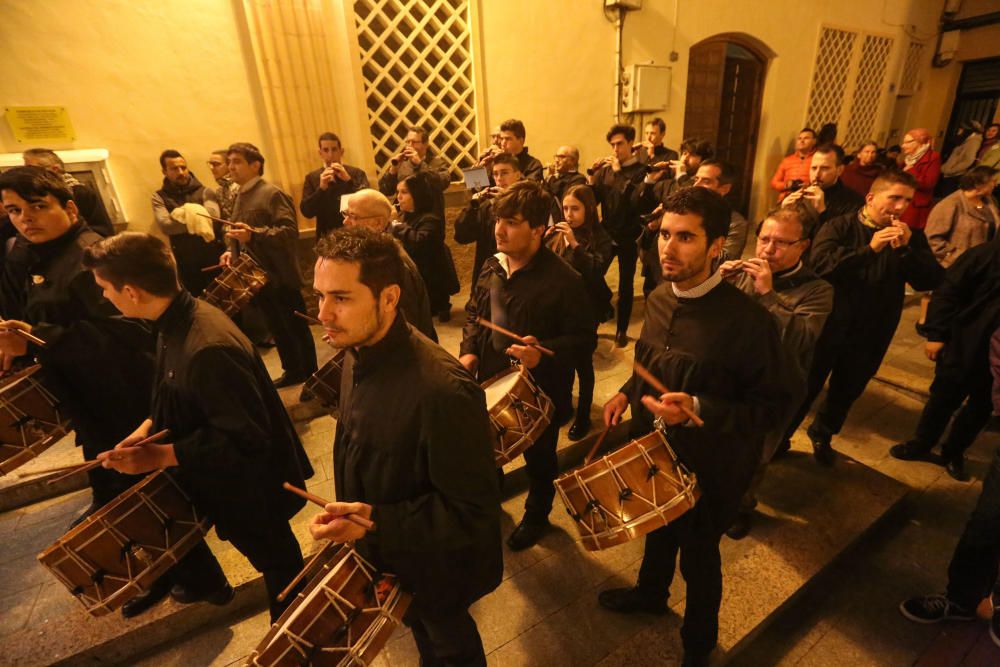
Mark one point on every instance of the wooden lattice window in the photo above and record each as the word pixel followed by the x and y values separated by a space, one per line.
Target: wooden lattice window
pixel 829 84
pixel 868 88
pixel 909 82
pixel 416 62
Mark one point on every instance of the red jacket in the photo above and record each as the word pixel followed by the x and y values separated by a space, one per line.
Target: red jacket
pixel 926 170
pixel 792 168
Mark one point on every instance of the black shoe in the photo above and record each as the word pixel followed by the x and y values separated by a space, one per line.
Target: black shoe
pixel 621 339
pixel 579 429
pixel 94 506
pixel 444 315
pixel 287 380
pixel 934 609
pixel 784 447
pixel 921 329
pixel 956 468
pixel 305 395
pixel 741 526
pixel 218 597
pixel 995 618
pixel 630 601
pixel 823 453
pixel 696 659
pixel 144 601
pixel 527 534
pixel 910 450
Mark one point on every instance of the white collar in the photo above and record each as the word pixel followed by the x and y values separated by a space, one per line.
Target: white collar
pixel 701 290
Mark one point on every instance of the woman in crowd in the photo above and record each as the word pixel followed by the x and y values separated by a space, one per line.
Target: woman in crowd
pixel 965 218
pixel 862 171
pixel 963 155
pixel 421 232
pixel 583 243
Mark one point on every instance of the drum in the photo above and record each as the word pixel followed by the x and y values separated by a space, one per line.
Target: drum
pixel 519 411
pixel 30 419
pixel 236 285
pixel 325 383
pixel 628 493
pixel 119 551
pixel 343 617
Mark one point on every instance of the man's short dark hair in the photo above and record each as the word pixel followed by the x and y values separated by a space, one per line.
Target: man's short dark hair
pixel 34 182
pixel 134 258
pixel 836 149
pixel 660 125
pixel 727 175
pixel 709 205
pixel 976 177
pixel 527 198
pixel 699 147
pixel 422 131
pixel 328 136
pixel 168 154
pixel 221 151
pixel 45 155
pixel 504 158
pixel 515 127
pixel 891 177
pixel 627 130
pixel 809 130
pixel 377 253
pixel 249 152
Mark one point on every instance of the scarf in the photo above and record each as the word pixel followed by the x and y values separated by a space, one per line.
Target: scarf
pixel 919 153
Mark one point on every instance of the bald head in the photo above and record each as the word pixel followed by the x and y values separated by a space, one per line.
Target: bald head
pixel 567 159
pixel 369 208
pixel 920 135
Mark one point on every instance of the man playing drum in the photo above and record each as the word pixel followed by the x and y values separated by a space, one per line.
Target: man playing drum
pixel 98 366
pixel 230 436
pixel 527 289
pixel 718 352
pixel 412 452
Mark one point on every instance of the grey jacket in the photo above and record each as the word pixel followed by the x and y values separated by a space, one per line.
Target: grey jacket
pixel 955 225
pixel 271 214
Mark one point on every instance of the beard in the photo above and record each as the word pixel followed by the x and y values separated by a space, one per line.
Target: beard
pixel 680 273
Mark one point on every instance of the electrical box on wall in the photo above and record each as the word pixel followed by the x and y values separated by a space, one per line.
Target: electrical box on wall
pixel 623 4
pixel 645 88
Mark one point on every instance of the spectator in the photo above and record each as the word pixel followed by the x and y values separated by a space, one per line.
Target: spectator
pixel 861 172
pixel 964 219
pixel 922 162
pixel 963 156
pixel 793 172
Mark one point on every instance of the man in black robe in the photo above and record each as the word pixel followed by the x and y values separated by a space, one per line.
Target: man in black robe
pixel 826 194
pixel 963 314
pixel 324 187
pixel 231 440
pixel 868 257
pixel 529 290
pixel 719 354
pixel 476 221
pixel 413 451
pixel 99 366
pixel 88 201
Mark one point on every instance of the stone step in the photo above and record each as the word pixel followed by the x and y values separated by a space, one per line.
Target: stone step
pixel 545 610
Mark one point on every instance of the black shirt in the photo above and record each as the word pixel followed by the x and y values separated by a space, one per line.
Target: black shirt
pixel 619 210
pixel 324 205
pixel 414 441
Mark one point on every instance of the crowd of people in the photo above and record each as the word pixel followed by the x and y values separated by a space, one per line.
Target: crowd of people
pixel 745 340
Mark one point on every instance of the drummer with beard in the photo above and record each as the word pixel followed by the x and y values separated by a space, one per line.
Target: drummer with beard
pixel 98 366
pixel 528 290
pixel 231 442
pixel 412 452
pixel 719 354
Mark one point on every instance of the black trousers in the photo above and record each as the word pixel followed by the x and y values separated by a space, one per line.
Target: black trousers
pixel 701 567
pixel 291 333
pixel 585 372
pixel 448 639
pixel 542 466
pixel 972 574
pixel 273 551
pixel 628 255
pixel 849 365
pixel 948 393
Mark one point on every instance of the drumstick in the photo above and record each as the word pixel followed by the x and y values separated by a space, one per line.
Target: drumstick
pixel 294 582
pixel 309 318
pixel 214 267
pixel 46 471
pixel 90 465
pixel 507 332
pixel 642 372
pixel 597 445
pixel 27 336
pixel 313 498
pixel 222 220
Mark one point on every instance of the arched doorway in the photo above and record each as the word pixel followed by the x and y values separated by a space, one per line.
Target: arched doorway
pixel 724 89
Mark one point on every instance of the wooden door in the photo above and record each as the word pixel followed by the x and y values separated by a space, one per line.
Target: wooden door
pixel 706 72
pixel 738 121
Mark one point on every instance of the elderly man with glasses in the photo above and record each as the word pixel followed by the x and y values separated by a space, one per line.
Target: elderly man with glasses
pixel 563 173
pixel 798 300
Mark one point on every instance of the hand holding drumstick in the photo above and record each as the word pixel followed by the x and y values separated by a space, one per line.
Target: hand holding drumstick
pixel 673 407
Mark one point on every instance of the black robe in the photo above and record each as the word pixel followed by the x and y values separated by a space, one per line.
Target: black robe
pixel 422 234
pixel 414 441
pixel 723 349
pixel 232 436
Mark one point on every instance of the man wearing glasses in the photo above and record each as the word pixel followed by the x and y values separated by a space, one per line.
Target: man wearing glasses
pixel 563 173
pixel 416 157
pixel 798 300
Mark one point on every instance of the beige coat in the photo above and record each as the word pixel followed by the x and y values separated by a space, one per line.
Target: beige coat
pixel 955 225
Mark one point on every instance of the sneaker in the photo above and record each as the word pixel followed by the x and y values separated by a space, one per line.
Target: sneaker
pixel 995 618
pixel 934 609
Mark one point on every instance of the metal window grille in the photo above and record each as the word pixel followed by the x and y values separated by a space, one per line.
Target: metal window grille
pixel 868 87
pixel 417 67
pixel 909 83
pixel 830 77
